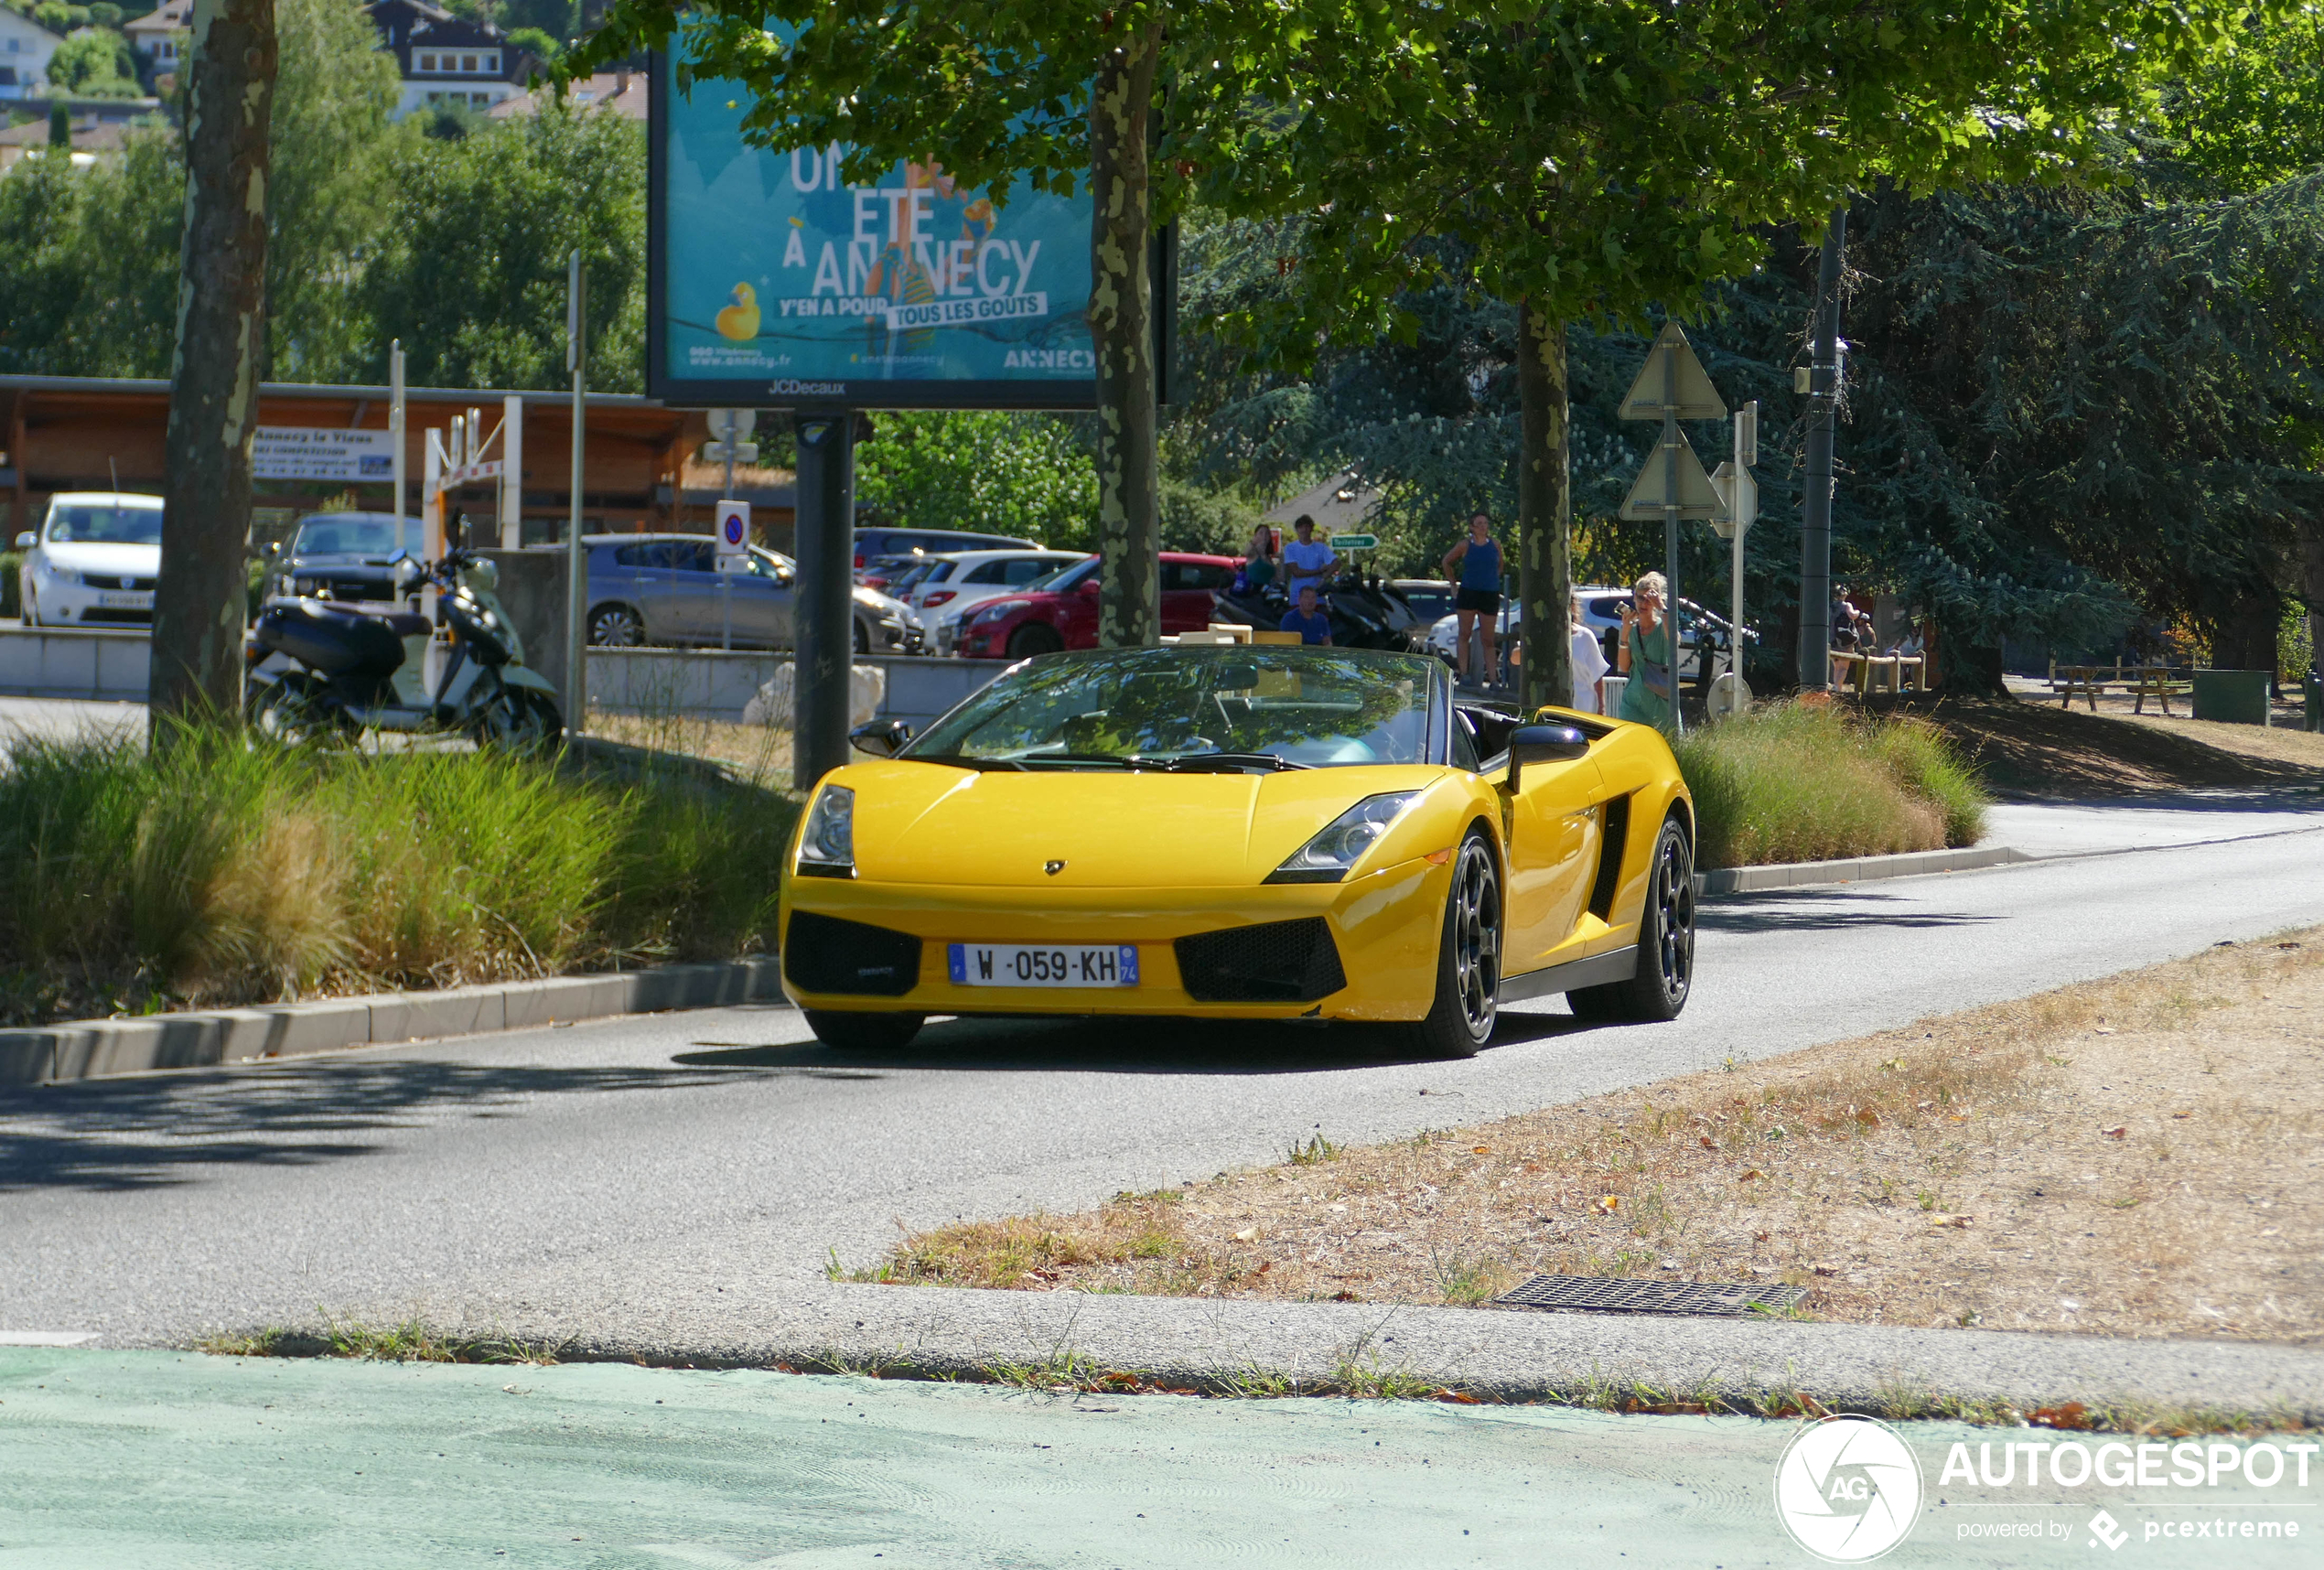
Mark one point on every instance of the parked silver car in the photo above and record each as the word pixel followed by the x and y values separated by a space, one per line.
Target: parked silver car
pixel 665 589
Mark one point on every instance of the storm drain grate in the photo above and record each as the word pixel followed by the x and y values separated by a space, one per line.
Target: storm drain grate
pixel 1589 1294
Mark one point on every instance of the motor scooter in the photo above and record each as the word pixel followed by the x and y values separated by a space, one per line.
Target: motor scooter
pixel 319 671
pixel 1364 612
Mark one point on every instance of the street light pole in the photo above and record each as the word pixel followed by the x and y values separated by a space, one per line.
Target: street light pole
pixel 1815 510
pixel 576 571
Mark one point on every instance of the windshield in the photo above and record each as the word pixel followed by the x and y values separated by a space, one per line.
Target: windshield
pixel 105 523
pixel 356 534
pixel 1265 707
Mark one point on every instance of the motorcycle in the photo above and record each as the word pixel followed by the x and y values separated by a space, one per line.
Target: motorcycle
pixel 321 671
pixel 1364 613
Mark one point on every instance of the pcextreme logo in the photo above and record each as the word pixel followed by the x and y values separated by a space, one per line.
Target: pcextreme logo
pixel 1847 1488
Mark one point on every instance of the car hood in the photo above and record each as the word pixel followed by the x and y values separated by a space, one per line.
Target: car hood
pixel 337 561
pixel 96 557
pixel 926 822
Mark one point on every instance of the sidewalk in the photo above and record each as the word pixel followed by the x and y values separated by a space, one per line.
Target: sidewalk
pixel 152 1459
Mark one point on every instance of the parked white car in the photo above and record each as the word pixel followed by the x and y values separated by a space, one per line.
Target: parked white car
pixel 955 581
pixel 94 562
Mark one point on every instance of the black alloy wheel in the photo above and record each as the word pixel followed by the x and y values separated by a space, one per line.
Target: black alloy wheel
pixel 1467 1000
pixel 617 627
pixel 864 1032
pixel 1657 990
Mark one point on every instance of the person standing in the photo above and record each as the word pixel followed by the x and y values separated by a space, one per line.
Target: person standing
pixel 1645 654
pixel 1474 567
pixel 1589 666
pixel 1306 619
pixel 1306 560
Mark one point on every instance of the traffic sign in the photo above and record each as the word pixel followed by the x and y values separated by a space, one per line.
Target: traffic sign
pixel 734 536
pixel 732 425
pixel 1650 496
pixel 1355 542
pixel 1738 495
pixel 730 452
pixel 1673 381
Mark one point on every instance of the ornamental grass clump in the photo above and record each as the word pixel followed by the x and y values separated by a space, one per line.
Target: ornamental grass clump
pixel 1812 783
pixel 216 872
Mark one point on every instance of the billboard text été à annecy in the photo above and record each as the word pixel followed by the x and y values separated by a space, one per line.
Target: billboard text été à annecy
pixel 776 282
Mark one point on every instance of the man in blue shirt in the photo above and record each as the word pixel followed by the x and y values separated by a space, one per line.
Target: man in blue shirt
pixel 1306 560
pixel 1309 623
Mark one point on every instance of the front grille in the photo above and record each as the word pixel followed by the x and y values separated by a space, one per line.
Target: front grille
pixel 824 953
pixel 101 581
pixel 1275 962
pixel 112 614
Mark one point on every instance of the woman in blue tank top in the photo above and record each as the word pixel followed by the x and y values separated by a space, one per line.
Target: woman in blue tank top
pixel 1478 559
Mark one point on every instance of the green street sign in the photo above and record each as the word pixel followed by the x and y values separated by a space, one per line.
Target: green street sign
pixel 1355 542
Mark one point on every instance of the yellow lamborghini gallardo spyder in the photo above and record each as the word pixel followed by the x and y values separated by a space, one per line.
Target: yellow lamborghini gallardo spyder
pixel 1241 831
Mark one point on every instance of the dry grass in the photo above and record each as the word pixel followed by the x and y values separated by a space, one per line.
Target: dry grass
pixel 756 755
pixel 2131 1157
pixel 2023 745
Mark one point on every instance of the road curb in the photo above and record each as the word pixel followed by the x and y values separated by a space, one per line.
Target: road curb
pixel 1248 1348
pixel 1854 869
pixel 93 1049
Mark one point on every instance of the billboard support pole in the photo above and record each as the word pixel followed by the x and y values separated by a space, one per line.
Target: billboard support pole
pixel 1816 497
pixel 824 601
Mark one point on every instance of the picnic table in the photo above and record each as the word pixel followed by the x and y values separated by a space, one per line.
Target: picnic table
pixel 2161 683
pixel 1865 673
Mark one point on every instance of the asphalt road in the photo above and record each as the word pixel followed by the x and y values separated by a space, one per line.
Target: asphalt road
pixel 623 1176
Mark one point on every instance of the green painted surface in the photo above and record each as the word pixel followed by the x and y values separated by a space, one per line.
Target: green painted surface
pixel 2233 697
pixel 158 1458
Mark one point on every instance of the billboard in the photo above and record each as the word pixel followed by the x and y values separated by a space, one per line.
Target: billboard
pixel 772 282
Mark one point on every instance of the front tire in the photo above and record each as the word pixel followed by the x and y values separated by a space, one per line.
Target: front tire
pixel 864 1032
pixel 1657 989
pixel 518 719
pixel 1460 1019
pixel 617 627
pixel 1036 638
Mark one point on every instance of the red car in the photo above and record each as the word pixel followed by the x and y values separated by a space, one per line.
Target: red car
pixel 1061 613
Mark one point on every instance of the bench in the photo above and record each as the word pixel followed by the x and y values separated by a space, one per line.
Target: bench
pixel 1864 673
pixel 2161 683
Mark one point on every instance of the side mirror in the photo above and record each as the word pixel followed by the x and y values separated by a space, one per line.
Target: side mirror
pixel 25 541
pixel 1543 744
pixel 273 547
pixel 1089 585
pixel 881 738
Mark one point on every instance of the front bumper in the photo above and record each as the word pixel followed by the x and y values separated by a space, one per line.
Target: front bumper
pixel 104 602
pixel 1385 926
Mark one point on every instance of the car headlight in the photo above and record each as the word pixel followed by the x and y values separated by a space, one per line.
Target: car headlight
pixel 64 577
pixel 1327 857
pixel 827 847
pixel 998 609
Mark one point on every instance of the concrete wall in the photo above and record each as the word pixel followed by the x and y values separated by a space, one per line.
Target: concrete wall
pixel 717 685
pixel 532 590
pixel 59 662
pixel 71 662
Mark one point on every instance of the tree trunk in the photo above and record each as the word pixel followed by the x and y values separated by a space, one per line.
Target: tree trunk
pixel 197 660
pixel 1129 522
pixel 2312 583
pixel 1545 512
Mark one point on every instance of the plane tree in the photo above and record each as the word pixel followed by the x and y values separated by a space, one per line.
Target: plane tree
pixel 1610 160
pixel 1142 102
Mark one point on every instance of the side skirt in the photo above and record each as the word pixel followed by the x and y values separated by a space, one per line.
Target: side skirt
pixel 1619 965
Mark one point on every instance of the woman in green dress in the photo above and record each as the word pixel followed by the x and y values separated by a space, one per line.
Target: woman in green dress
pixel 1645 655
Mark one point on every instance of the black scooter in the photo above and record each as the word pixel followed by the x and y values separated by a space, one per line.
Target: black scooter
pixel 322 671
pixel 1364 613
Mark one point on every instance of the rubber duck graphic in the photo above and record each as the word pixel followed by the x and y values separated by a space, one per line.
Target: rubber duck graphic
pixel 739 320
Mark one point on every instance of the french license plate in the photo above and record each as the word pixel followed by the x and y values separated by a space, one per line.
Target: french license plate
pixel 139 600
pixel 1045 964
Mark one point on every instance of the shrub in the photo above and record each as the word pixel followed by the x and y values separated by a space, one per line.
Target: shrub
pixel 1811 782
pixel 218 871
pixel 11 583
